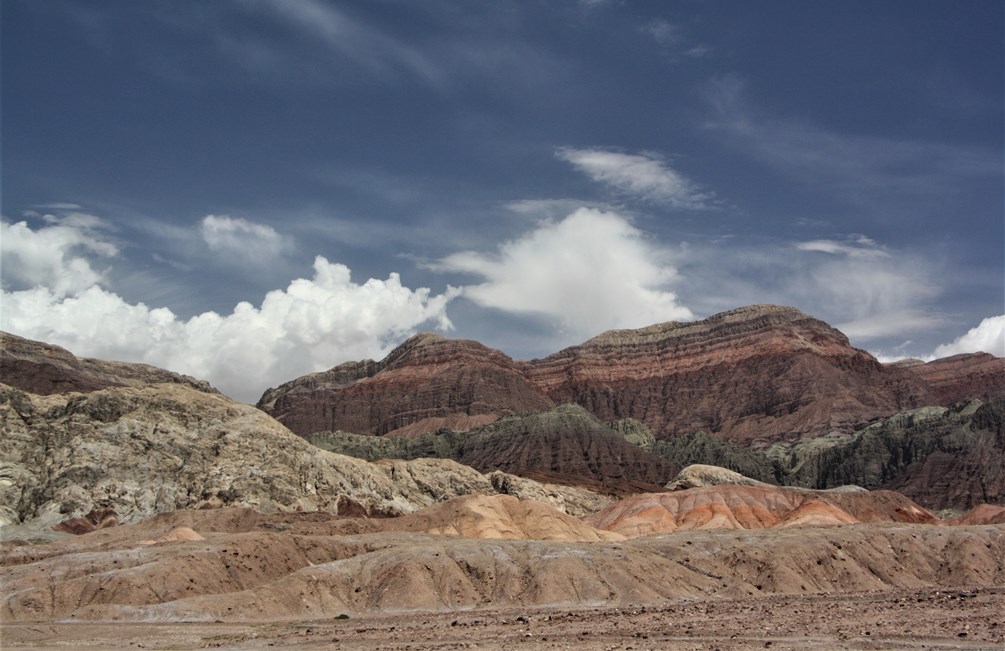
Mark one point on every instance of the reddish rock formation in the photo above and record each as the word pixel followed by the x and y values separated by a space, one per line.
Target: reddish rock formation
pixel 44 369
pixel 976 375
pixel 423 384
pixel 734 506
pixel 757 373
pixel 754 375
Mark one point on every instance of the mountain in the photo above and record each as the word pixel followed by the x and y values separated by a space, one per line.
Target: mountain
pixel 427 383
pixel 942 457
pixel 755 375
pixel 125 453
pixel 566 445
pixel 44 369
pixel 971 375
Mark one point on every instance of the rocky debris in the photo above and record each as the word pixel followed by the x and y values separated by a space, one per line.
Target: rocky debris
pixel 141 451
pixel 45 369
pixel 755 375
pixel 253 575
pixel 94 519
pixel 908 618
pixel 739 506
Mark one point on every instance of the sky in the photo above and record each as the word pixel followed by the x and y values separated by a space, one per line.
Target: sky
pixel 250 190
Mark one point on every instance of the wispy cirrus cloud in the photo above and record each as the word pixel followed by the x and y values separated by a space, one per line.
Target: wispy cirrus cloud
pixel 854 246
pixel 860 167
pixel 642 176
pixel 866 289
pixel 363 44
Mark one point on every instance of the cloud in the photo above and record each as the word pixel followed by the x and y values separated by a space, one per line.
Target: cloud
pixel 987 337
pixel 860 168
pixel 664 32
pixel 53 256
pixel 309 326
pixel 855 246
pixel 367 47
pixel 589 272
pixel 642 176
pixel 876 293
pixel 243 240
pixel 865 289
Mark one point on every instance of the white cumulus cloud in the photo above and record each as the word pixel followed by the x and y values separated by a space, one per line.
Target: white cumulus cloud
pixel 638 175
pixel 591 271
pixel 987 337
pixel 52 256
pixel 309 326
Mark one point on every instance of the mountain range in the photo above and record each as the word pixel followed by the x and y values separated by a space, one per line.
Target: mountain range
pixel 750 456
pixel 756 376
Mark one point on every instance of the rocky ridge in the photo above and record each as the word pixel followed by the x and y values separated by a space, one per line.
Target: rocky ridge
pixel 755 375
pixel 44 369
pixel 566 445
pixel 137 451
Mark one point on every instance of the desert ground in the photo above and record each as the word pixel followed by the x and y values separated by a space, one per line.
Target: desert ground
pixel 926 619
pixel 235 579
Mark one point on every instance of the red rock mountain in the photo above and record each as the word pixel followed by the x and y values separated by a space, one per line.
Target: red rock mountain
pixel 754 375
pixel 44 369
pixel 426 383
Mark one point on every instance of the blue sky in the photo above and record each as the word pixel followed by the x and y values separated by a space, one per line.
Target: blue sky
pixel 250 190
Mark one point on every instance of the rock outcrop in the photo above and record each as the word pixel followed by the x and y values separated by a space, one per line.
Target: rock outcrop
pixel 44 369
pixel 941 457
pixel 700 475
pixel 951 379
pixel 756 375
pixel 566 445
pixel 427 383
pixel 146 450
pixel 738 506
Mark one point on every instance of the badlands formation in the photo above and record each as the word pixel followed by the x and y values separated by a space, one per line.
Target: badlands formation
pixel 450 497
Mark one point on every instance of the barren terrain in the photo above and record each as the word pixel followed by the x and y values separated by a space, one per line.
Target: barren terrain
pixel 926 619
pixel 233 578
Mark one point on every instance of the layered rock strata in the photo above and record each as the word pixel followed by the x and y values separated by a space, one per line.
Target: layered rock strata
pixel 566 445
pixel 755 375
pixel 44 369
pixel 427 383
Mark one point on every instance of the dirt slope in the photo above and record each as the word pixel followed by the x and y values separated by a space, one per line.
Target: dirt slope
pixel 115 574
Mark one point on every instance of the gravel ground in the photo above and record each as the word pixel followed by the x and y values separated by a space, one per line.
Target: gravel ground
pixel 931 619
